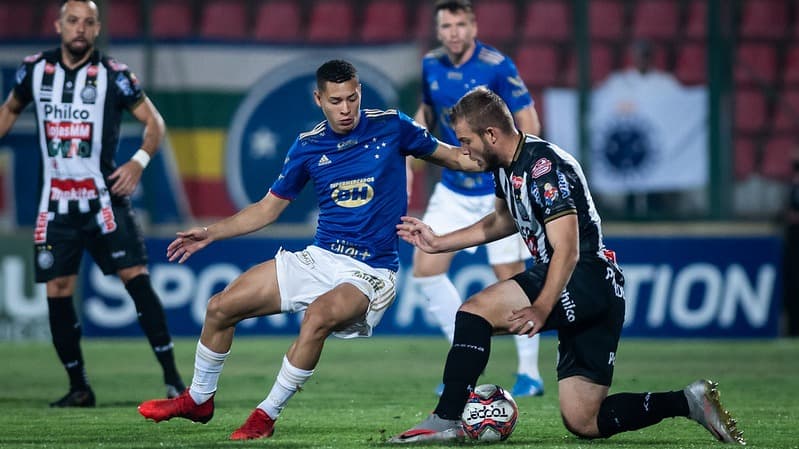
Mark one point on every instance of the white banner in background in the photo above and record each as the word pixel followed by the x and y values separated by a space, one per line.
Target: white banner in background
pixel 647 133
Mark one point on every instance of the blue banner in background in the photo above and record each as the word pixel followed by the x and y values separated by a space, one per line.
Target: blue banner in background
pixel 725 287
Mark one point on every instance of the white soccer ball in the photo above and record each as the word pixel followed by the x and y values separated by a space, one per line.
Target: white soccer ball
pixel 490 414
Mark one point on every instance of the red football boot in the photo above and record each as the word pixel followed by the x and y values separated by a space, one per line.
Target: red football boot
pixel 258 425
pixel 182 406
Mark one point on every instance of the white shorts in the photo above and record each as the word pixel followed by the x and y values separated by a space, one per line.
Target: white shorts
pixel 305 275
pixel 448 211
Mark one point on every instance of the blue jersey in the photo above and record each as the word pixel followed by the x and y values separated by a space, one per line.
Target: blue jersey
pixel 360 182
pixel 444 84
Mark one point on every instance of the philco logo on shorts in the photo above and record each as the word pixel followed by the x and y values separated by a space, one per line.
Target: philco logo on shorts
pixel 354 193
pixel 568 306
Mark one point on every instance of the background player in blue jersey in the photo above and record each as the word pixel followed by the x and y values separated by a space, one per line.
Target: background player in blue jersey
pixel 460 199
pixel 574 287
pixel 79 96
pixel 345 280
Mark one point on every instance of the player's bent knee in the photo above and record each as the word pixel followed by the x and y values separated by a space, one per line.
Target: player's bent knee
pixel 476 305
pixel 217 312
pixel 581 427
pixel 317 324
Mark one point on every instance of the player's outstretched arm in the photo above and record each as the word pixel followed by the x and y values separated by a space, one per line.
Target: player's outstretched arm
pixel 454 158
pixel 418 234
pixel 250 219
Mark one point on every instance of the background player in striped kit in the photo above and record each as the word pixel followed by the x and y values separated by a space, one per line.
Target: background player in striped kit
pixel 79 97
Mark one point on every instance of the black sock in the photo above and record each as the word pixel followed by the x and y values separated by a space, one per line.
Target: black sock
pixel 153 322
pixel 467 359
pixel 66 331
pixel 622 412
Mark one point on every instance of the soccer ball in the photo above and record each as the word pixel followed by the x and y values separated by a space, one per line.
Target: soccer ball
pixel 490 414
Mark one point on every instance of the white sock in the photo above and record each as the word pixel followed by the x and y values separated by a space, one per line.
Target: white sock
pixel 207 369
pixel 527 348
pixel 443 301
pixel 289 380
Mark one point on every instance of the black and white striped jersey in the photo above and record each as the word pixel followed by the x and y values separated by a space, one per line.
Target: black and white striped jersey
pixel 78 115
pixel 543 183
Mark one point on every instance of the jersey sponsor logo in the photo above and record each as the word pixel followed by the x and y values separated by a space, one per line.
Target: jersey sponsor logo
pixel 67 130
pixel 563 184
pixel 550 194
pixel 344 144
pixel 536 194
pixel 350 249
pixel 568 306
pixel 65 112
pixel 324 161
pixel 123 84
pixel 376 283
pixel 46 93
pixel 40 231
pixel 517 181
pixel 541 167
pixel 72 189
pixel 107 221
pixel 355 193
pixel 68 139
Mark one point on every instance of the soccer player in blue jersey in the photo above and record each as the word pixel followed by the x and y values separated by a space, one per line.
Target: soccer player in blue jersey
pixel 346 279
pixel 460 199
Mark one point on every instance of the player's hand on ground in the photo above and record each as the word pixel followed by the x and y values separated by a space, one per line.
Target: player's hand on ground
pixel 528 320
pixel 417 233
pixel 187 243
pixel 125 178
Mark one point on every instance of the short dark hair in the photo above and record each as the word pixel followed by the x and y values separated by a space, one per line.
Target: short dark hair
pixel 481 108
pixel 453 6
pixel 335 71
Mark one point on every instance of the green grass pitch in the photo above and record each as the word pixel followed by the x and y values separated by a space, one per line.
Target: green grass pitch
pixel 365 391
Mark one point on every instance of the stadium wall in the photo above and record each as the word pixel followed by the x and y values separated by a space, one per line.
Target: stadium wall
pixel 676 287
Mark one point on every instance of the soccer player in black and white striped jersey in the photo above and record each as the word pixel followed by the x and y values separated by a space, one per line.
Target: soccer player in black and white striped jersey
pixel 79 96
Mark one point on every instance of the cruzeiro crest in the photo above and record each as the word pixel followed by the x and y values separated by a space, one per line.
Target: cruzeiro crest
pixel 277 108
pixel 625 146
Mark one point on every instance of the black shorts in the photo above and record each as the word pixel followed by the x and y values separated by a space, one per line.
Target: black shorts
pixel 588 317
pixel 67 235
